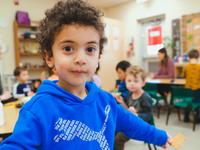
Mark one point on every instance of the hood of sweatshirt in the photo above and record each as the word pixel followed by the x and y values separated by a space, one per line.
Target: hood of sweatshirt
pixel 51 88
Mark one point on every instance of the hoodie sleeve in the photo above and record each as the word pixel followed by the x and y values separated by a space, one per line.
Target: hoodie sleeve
pixel 26 134
pixel 135 128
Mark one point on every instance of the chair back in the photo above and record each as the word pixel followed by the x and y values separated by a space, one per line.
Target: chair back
pixel 181 96
pixel 150 88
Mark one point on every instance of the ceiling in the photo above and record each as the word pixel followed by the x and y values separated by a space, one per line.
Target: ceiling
pixel 106 3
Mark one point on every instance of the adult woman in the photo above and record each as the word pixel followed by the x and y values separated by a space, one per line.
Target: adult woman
pixel 166 71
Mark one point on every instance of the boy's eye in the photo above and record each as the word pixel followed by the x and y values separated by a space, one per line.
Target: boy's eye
pixel 90 50
pixel 68 49
pixel 128 80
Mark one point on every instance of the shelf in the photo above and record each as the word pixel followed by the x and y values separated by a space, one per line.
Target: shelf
pixel 28 39
pixel 29 54
pixel 34 24
pixel 27 49
pixel 36 69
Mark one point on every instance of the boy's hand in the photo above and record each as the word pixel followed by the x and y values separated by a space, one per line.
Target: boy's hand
pixel 169 142
pixel 30 94
pixel 132 109
pixel 119 99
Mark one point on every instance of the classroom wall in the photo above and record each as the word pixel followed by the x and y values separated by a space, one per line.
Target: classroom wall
pixel 129 12
pixel 36 9
pixel 112 53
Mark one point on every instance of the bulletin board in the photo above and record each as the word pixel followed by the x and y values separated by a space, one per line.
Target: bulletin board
pixel 191 32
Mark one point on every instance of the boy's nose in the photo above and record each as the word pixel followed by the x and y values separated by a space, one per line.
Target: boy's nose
pixel 81 57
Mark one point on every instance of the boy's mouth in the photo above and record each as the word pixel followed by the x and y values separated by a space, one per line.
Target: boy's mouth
pixel 79 71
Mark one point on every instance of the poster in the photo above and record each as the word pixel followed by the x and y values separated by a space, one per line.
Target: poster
pixel 155 40
pixel 155 35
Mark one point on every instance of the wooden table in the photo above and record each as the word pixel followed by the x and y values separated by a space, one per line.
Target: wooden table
pixel 167 81
pixel 10 118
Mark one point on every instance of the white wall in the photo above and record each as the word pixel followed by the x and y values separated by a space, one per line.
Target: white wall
pixel 127 12
pixel 36 9
pixel 131 11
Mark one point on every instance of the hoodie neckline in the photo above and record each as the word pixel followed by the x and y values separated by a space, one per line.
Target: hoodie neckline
pixel 51 88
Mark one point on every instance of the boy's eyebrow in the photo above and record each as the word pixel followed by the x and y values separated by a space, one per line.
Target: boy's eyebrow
pixel 70 41
pixel 93 42
pixel 67 41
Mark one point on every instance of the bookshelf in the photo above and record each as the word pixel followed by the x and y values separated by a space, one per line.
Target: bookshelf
pixel 27 48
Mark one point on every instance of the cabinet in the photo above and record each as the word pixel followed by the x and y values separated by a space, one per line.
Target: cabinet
pixel 27 49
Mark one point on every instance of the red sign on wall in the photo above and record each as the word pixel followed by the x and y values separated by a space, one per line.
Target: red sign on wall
pixel 155 35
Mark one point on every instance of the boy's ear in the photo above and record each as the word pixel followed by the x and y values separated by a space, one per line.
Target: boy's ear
pixel 144 82
pixel 97 65
pixel 49 61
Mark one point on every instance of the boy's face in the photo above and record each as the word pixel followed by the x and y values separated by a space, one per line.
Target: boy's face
pixel 75 54
pixel 121 74
pixel 23 77
pixel 134 83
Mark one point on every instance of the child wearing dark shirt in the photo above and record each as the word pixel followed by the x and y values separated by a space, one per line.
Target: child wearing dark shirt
pixel 21 88
pixel 138 101
pixel 142 106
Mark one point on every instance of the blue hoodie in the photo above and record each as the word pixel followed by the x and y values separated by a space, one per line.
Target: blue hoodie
pixel 55 119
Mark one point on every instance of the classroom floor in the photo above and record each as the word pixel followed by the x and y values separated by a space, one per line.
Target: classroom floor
pixel 174 127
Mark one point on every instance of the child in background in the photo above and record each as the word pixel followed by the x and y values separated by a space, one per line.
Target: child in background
pixel 192 76
pixel 71 113
pixel 21 88
pixel 139 102
pixel 120 83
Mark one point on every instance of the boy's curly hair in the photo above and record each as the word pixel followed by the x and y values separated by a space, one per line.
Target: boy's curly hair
pixel 135 71
pixel 67 13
